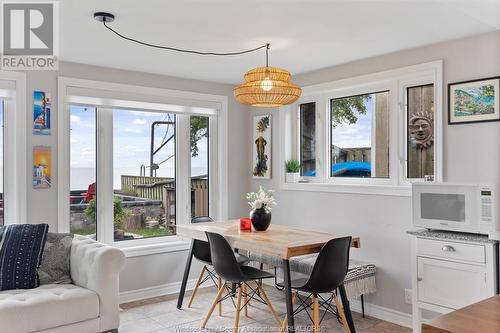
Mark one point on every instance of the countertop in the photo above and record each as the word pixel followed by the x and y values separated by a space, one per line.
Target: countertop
pixel 452 235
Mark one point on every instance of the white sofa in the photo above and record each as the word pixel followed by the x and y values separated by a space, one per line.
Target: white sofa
pixel 89 305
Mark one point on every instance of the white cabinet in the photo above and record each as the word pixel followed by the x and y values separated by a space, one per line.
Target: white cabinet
pixel 450 273
pixel 450 284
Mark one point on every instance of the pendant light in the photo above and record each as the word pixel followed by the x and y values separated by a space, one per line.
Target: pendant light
pixel 267 87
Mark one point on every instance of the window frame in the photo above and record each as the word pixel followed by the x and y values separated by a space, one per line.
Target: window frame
pixel 318 130
pixel 396 82
pixel 13 93
pixel 184 104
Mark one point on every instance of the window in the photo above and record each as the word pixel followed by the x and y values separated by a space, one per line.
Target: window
pixel 307 125
pixel 144 195
pixel 13 180
pixel 1 162
pixel 373 134
pixel 83 172
pixel 420 131
pixel 360 136
pixel 144 174
pixel 138 166
pixel 198 140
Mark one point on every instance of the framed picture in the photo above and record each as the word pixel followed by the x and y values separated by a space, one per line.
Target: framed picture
pixel 41 113
pixel 474 101
pixel 262 141
pixel 42 165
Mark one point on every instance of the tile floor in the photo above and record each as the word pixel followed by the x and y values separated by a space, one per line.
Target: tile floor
pixel 160 315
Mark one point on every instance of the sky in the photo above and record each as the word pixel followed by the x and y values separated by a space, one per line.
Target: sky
pixel 356 135
pixel 131 142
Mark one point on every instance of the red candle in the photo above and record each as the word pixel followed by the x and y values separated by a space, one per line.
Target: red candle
pixel 245 224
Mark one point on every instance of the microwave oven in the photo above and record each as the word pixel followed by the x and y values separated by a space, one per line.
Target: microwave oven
pixel 456 207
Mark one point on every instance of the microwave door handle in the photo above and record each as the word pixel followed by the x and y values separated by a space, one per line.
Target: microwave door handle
pixel 448 248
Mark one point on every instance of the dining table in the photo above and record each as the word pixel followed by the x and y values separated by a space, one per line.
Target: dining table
pixel 278 240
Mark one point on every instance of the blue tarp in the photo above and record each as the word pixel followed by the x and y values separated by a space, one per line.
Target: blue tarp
pixel 349 169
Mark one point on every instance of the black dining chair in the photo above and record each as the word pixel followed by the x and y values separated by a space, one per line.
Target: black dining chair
pixel 201 251
pixel 328 274
pixel 227 267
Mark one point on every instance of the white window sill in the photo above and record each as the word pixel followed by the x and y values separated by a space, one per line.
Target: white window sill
pixel 369 189
pixel 145 247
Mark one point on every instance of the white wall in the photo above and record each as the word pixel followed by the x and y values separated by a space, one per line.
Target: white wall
pixel 471 154
pixel 154 270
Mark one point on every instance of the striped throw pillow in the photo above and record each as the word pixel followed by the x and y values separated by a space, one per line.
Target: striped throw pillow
pixel 21 254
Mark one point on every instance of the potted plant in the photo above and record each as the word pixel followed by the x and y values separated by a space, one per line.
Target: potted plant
pixel 261 202
pixel 292 168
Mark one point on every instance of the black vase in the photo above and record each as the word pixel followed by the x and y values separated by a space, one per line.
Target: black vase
pixel 261 218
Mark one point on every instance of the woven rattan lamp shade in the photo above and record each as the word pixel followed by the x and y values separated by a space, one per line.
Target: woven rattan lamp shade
pixel 267 87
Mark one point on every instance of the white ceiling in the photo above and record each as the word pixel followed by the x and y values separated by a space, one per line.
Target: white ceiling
pixel 304 34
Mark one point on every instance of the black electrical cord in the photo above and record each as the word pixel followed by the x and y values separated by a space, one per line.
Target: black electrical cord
pixel 266 46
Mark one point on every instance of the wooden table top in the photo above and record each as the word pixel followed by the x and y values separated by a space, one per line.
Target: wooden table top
pixel 481 317
pixel 279 240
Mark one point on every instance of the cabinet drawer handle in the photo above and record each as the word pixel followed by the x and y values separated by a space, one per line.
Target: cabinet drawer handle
pixel 419 279
pixel 448 248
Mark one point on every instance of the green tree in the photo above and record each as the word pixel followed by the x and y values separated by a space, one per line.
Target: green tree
pixel 346 110
pixel 199 130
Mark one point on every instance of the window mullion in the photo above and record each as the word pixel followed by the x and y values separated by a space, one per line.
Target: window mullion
pixel 105 176
pixel 395 139
pixel 322 138
pixel 9 165
pixel 214 197
pixel 183 167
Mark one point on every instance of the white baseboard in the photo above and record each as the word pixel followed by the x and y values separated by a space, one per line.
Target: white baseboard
pixel 383 313
pixel 155 291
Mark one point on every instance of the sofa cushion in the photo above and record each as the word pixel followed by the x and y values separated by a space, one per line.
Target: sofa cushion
pixel 55 261
pixel 47 306
pixel 21 254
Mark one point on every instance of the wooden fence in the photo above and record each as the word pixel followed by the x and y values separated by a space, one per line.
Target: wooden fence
pixel 421 158
pixel 163 188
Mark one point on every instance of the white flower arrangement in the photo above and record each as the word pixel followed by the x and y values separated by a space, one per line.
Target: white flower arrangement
pixel 261 199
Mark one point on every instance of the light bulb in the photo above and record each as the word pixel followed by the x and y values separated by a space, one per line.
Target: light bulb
pixel 266 84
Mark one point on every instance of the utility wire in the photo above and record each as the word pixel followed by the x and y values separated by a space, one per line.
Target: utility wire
pixel 266 46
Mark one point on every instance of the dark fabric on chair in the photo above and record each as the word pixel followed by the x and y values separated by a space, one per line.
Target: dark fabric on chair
pixel 226 265
pixel 21 255
pixel 330 268
pixel 201 249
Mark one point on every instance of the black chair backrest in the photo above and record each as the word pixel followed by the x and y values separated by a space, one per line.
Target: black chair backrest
pixel 223 258
pixel 201 249
pixel 331 266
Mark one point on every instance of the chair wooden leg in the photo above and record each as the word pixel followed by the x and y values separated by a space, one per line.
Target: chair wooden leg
pixel 238 310
pixel 245 299
pixel 191 299
pixel 340 309
pixel 316 328
pixel 284 325
pixel 219 285
pixel 269 305
pixel 212 307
